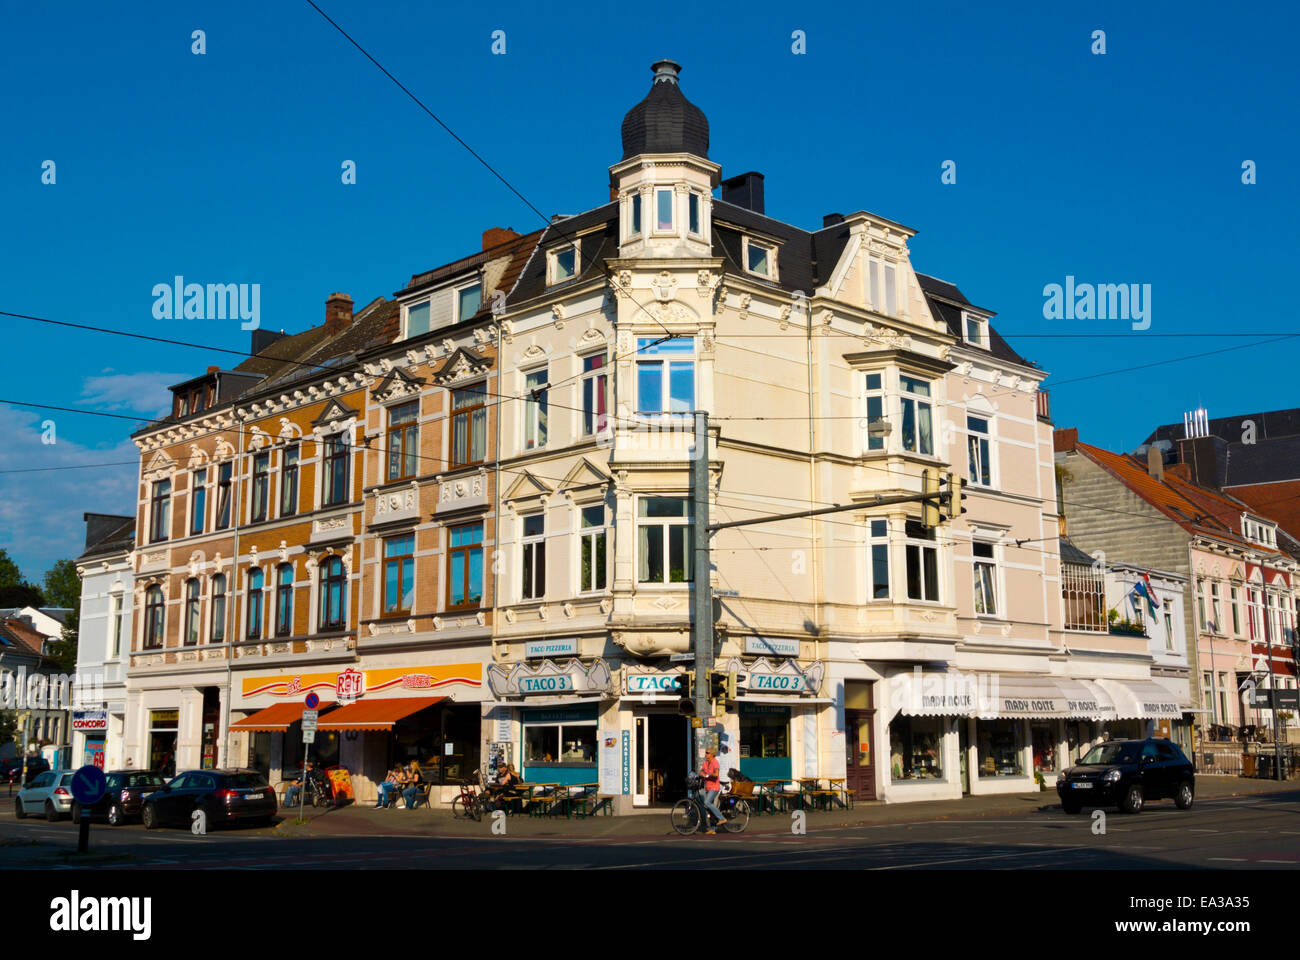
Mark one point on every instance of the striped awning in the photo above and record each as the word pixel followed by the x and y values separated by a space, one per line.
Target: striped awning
pixel 1085 700
pixel 276 718
pixel 1141 699
pixel 375 714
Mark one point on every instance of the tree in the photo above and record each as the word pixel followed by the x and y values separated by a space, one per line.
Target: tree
pixel 8 727
pixel 14 590
pixel 63 589
pixel 10 575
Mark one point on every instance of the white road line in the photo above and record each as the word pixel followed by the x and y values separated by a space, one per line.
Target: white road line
pixel 1228 859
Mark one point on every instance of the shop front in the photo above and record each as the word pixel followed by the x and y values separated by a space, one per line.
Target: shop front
pixel 89 735
pixel 661 733
pixel 779 703
pixel 1142 704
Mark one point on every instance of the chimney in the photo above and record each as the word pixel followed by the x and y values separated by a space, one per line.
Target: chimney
pixel 338 313
pixel 495 236
pixel 1065 440
pixel 830 219
pixel 613 192
pixel 745 191
pixel 1205 460
pixel 261 340
pixel 1155 463
pixel 213 369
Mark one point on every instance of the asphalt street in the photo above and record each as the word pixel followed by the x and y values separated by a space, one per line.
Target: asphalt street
pixel 1247 832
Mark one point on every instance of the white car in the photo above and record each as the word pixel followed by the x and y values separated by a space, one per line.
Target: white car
pixel 50 793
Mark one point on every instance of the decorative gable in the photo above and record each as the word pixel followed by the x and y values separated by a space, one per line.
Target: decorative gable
pixel 526 487
pixel 161 467
pixel 334 411
pixel 584 478
pixel 398 383
pixel 461 365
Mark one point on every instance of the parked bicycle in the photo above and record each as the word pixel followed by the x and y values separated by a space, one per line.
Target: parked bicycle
pixel 689 814
pixel 471 803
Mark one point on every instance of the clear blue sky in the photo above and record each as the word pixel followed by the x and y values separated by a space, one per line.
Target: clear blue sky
pixel 226 168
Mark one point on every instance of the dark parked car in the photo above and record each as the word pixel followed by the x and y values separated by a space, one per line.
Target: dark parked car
pixel 226 796
pixel 1126 774
pixel 11 770
pixel 121 802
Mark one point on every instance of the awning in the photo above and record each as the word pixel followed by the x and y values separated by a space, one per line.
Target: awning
pixel 933 694
pixel 783 701
pixel 1022 695
pixel 1181 690
pixel 275 719
pixel 1086 700
pixel 375 714
pixel 1141 699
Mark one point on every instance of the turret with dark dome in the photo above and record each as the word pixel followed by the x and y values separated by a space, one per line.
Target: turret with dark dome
pixel 665 121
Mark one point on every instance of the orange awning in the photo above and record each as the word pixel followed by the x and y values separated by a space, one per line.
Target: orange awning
pixel 375 714
pixel 275 719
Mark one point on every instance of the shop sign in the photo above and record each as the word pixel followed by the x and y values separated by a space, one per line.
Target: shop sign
pixel 549 677
pixel 772 646
pixel 558 683
pixel 551 648
pixel 611 761
pixel 770 676
pixel 667 683
pixel 352 684
pixel 85 720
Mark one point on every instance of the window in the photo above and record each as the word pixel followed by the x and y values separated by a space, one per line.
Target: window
pixel 535 409
pixel 336 470
pixel 879 558
pixel 154 618
pixel 160 511
pixel 916 747
pixel 693 214
pixel 663 211
pixel 218 631
pixel 986 578
pixel 1256 631
pixel 635 228
pixel 417 319
pixel 468 425
pixel 1200 603
pixel 468 301
pixel 399 575
pixel 875 410
pixel 595 393
pixel 759 258
pixel 1207 688
pixel 975 330
pixel 918 416
pixel 1169 628
pixel 764 736
pixel 224 486
pixel 922 563
pixel 560 743
pixel 465 565
pixel 191 612
pixel 403 444
pixel 1000 747
pixel 284 600
pixel 533 559
pixel 289 482
pixel 119 615
pixel 1217 623
pixel 666 383
pixel 591 553
pixel 254 604
pixel 1236 615
pixel 333 600
pixel 564 264
pixel 884 280
pixel 977 442
pixel 664 540
pixel 261 485
pixel 198 500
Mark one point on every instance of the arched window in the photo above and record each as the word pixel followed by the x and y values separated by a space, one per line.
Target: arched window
pixel 218 632
pixel 154 618
pixel 332 596
pixel 284 600
pixel 254 604
pixel 191 612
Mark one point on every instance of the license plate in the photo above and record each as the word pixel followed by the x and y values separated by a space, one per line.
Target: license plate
pixel 1080 785
pixel 254 796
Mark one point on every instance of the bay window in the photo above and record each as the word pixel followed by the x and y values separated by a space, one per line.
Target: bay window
pixel 665 375
pixel 664 540
pixel 191 612
pixel 918 415
pixel 922 563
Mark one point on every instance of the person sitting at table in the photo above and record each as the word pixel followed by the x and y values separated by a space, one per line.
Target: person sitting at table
pixel 295 789
pixel 413 783
pixel 389 786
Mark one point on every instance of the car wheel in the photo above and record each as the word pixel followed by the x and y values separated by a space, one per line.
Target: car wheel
pixel 115 816
pixel 51 814
pixel 149 816
pixel 1184 796
pixel 19 812
pixel 1132 802
pixel 76 812
pixel 1071 807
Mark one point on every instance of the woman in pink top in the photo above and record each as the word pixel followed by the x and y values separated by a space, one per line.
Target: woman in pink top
pixel 712 786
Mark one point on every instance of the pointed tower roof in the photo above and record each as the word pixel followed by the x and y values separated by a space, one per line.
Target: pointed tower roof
pixel 665 121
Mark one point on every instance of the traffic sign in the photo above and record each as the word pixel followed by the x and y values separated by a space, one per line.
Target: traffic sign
pixel 677 657
pixel 312 701
pixel 309 736
pixel 88 785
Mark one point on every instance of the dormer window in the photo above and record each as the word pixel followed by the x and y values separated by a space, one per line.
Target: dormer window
pixel 976 329
pixel 1261 533
pixel 760 259
pixel 417 319
pixel 884 287
pixel 563 264
pixel 468 300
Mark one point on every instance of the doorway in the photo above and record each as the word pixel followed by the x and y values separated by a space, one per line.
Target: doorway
pixel 859 755
pixel 211 725
pixel 662 745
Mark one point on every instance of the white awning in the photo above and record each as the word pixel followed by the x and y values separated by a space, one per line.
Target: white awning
pixel 784 701
pixel 933 694
pixel 1086 700
pixel 1180 688
pixel 1141 699
pixel 1022 695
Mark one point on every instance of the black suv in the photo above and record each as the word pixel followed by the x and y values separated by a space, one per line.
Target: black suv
pixel 1126 774
pixel 12 770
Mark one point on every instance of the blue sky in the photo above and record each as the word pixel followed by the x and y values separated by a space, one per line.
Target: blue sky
pixel 225 167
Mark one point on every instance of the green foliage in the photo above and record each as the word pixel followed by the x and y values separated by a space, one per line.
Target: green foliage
pixel 10 575
pixel 14 590
pixel 63 589
pixel 8 726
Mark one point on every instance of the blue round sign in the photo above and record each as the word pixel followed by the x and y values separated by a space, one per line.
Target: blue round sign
pixel 313 701
pixel 88 785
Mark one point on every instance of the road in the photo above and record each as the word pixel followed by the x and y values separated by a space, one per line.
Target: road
pixel 1251 832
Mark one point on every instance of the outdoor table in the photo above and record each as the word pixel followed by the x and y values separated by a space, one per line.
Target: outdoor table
pixel 545 796
pixel 778 794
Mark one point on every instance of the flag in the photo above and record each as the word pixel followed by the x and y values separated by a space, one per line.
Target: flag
pixel 1143 589
pixel 1151 593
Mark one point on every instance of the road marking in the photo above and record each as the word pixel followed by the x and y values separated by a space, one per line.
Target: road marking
pixel 1228 859
pixel 992 856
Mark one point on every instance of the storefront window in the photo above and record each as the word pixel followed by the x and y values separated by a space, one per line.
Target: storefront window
pixel 162 741
pixel 324 751
pixel 1045 742
pixel 562 743
pixel 442 740
pixel 1001 746
pixel 916 747
pixel 765 741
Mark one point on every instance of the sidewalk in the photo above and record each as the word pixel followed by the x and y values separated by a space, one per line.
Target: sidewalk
pixel 365 820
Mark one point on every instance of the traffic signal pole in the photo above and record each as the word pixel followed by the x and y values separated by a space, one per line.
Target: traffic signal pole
pixel 702 613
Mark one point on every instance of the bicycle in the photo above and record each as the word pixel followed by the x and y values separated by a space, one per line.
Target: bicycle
pixel 470 803
pixel 689 814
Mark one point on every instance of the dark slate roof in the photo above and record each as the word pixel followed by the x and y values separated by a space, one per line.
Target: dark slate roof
pixel 1269 425
pixel 596 248
pixel 947 303
pixel 110 537
pixel 337 351
pixel 665 121
pixel 1266 461
pixel 1072 554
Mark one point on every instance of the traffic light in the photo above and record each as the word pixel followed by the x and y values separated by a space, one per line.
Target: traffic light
pixel 717 685
pixel 955 486
pixel 930 516
pixel 686 684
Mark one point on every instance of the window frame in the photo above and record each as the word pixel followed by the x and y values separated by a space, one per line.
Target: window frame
pixel 536 408
pixel 927 402
pixel 225 495
pixel 878 550
pixel 634 215
pixel 282 625
pixel 402 439
pixel 879 272
pixel 192 623
pixel 469 412
pixel 657 229
pixel 979 445
pixel 329 583
pixel 915 544
pixel 553 255
pixel 256 604
pixel 160 511
pixel 982 326
pixel 289 472
pixel 593 539
pixel 771 248
pixel 336 454
pixel 427 303
pixel 664 524
pixel 466 551
pixel 458 293
pixel 666 362
pixel 217 626
pixel 259 508
pixel 694 210
pixel 405 563
pixel 987 564
pixel 116 613
pixel 880 394
pixel 198 501
pixel 593 422
pixel 532 557
pixel 155 618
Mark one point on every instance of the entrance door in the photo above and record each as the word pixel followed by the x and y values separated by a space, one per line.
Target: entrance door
pixel 662 743
pixel 641 752
pixel 860 757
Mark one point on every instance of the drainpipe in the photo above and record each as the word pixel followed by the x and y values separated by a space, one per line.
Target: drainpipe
pixel 230 586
